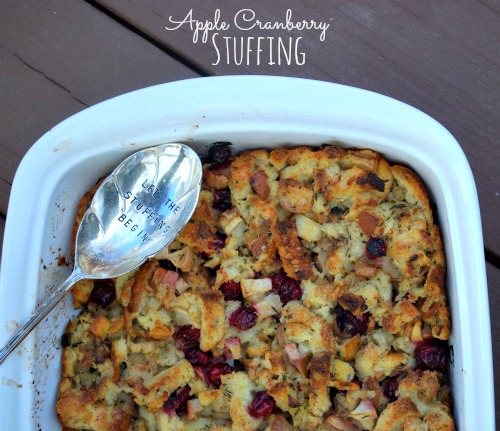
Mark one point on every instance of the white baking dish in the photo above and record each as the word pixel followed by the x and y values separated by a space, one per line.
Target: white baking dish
pixel 250 112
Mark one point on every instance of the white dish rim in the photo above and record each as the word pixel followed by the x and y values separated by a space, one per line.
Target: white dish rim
pixel 198 111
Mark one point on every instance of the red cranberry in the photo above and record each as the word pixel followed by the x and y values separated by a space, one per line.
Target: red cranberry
pixel 219 152
pixel 66 339
pixel 432 356
pixel 212 372
pixel 103 293
pixel 375 247
pixel 348 325
pixel 177 402
pixel 216 371
pixel 390 387
pixel 219 167
pixel 222 200
pixel 197 357
pixel 231 290
pixel 186 338
pixel 358 381
pixel 219 242
pixel 287 288
pixel 243 318
pixel 262 405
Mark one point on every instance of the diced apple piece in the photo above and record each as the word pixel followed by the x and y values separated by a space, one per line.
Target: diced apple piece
pixel 296 359
pixel 307 228
pixel 232 348
pixel 231 226
pixel 365 414
pixel 348 349
pixel 385 264
pixel 163 276
pixel 215 180
pixel 427 331
pixel 279 423
pixel 253 286
pixel 368 223
pixel 181 285
pixel 364 269
pixel 335 422
pixel 416 335
pixel 228 220
pixel 280 334
pixel 182 259
pixel 193 408
pixel 269 306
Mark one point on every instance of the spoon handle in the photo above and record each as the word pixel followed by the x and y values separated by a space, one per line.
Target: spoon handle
pixel 47 305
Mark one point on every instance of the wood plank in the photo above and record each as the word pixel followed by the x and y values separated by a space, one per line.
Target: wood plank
pixel 493 274
pixel 31 105
pixel 441 57
pixel 59 57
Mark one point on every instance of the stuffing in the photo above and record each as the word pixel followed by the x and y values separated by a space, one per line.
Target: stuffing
pixel 305 293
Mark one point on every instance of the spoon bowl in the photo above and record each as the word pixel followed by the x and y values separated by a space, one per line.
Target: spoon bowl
pixel 135 213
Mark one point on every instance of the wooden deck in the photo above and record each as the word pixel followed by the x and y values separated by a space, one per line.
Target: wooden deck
pixel 59 56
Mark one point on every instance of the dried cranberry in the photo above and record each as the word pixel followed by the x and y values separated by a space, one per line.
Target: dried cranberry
pixel 177 402
pixel 287 288
pixel 219 152
pixel 390 387
pixel 357 381
pixel 262 405
pixel 231 290
pixel 243 318
pixel 375 247
pixel 219 242
pixel 66 339
pixel 212 372
pixel 103 292
pixel 432 355
pixel 216 371
pixel 186 338
pixel 222 199
pixel 348 324
pixel 219 167
pixel 197 357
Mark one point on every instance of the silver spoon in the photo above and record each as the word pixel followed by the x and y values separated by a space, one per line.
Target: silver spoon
pixel 135 213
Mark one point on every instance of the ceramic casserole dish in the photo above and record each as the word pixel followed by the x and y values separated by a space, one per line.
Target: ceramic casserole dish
pixel 250 112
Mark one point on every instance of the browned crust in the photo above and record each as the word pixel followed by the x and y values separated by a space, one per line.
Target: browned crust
pixel 319 368
pixel 200 236
pixel 412 182
pixel 259 184
pixel 395 414
pixel 295 196
pixel 212 319
pixel 79 409
pixel 296 263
